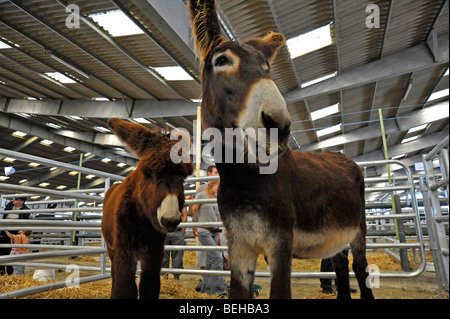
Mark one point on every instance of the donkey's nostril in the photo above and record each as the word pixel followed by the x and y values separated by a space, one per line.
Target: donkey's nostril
pixel 268 121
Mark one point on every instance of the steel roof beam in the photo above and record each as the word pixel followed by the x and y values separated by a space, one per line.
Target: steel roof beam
pixel 79 46
pixel 415 146
pixel 406 61
pixel 408 120
pixel 124 51
pixel 13 123
pixel 60 57
pixel 172 20
pixel 102 109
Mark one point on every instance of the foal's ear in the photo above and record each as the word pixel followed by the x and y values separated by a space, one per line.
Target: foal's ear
pixel 136 136
pixel 268 45
pixel 205 26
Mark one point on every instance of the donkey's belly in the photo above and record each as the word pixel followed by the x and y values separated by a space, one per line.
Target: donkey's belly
pixel 321 245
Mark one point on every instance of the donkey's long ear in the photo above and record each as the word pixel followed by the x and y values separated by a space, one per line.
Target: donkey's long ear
pixel 268 45
pixel 205 26
pixel 137 137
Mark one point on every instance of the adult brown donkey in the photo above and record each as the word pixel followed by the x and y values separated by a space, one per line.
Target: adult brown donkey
pixel 312 206
pixel 139 212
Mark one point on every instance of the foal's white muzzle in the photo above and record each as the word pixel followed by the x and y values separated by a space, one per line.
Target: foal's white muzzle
pixel 168 213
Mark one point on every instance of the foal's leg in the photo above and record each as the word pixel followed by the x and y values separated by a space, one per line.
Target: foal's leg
pixel 124 275
pixel 358 246
pixel 150 280
pixel 243 265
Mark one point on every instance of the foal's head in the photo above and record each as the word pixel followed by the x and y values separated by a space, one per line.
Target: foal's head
pixel 159 189
pixel 237 91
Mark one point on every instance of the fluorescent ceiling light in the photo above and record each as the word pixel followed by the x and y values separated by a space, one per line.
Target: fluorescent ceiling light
pixel 446 72
pixel 417 128
pixel 26 115
pixel 60 77
pixel 101 129
pixel 173 73
pixel 61 187
pixel 332 109
pixel 398 156
pixel 116 23
pixel 329 130
pixel 100 99
pixel 90 176
pixel 46 142
pixel 23 181
pixel 310 41
pixel 106 160
pixel 142 120
pixel 323 78
pixel 409 139
pixel 53 169
pixel 3 178
pixel 34 164
pixel 438 95
pixel 69 149
pixel 9 159
pixel 19 134
pixel 53 125
pixel 73 117
pixel 121 164
pixel 44 184
pixel 73 173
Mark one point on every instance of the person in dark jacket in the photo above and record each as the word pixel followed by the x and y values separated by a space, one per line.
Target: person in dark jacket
pixel 17 203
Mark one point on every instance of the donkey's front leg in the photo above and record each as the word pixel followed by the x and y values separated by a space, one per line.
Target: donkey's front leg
pixel 279 255
pixel 124 275
pixel 243 265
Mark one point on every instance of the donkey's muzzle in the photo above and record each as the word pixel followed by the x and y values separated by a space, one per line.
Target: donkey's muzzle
pixel 169 224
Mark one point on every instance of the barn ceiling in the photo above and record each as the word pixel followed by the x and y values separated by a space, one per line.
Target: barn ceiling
pixel 395 66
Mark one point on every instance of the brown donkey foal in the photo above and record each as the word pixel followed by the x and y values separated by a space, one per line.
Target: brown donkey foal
pixel 139 212
pixel 311 206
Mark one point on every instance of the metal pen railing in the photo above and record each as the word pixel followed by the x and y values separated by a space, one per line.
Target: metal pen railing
pixel 53 226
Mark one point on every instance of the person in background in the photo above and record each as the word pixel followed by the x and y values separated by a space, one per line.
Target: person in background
pixel 22 238
pixel 209 236
pixel 201 255
pixel 176 238
pixel 17 204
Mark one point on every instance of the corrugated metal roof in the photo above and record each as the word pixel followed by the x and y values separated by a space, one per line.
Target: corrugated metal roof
pixel 116 66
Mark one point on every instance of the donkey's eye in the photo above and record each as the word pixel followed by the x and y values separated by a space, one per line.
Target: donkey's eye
pixel 222 60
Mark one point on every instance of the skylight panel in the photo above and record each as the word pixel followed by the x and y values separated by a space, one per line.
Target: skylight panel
pixel 438 95
pixel 329 130
pixel 3 45
pixel 417 128
pixel 332 109
pixel 310 41
pixel 173 73
pixel 60 77
pixel 323 78
pixel 409 139
pixel 116 23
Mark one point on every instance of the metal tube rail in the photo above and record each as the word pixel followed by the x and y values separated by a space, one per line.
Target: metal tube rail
pixel 45 161
pixel 442 144
pixel 57 210
pixel 62 253
pixel 43 191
